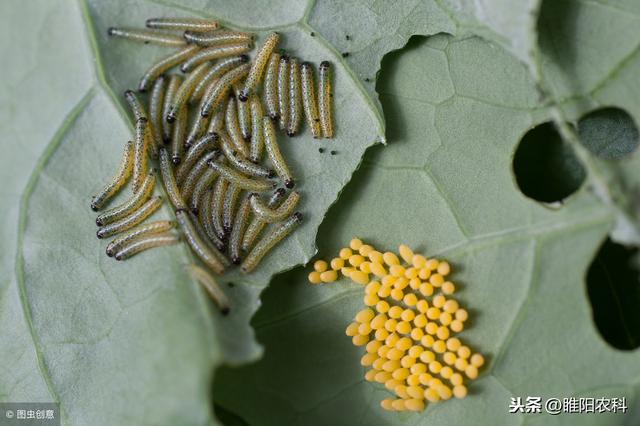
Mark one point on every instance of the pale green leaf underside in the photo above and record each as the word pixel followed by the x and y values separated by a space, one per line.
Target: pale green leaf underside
pixel 137 341
pixel 455 110
pixel 112 341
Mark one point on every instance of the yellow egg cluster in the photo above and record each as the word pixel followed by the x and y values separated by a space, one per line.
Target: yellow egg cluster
pixel 408 325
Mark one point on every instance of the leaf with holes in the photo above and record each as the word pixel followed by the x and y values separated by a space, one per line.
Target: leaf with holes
pixel 457 109
pixel 136 343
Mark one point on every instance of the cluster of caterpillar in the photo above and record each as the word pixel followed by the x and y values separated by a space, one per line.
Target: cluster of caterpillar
pixel 408 324
pixel 208 132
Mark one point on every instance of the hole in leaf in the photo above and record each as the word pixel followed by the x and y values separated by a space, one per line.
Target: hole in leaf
pixel 610 133
pixel 545 167
pixel 614 292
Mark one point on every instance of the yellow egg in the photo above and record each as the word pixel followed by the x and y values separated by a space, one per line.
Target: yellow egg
pixel 397 294
pixel 352 329
pixel 416 334
pixel 372 287
pixel 439 346
pixel 314 277
pixel 392 383
pixel 431 395
pixel 464 352
pixel 399 405
pixel 432 264
pixel 435 367
pixel 355 244
pixel 400 374
pixel 360 340
pixel 391 365
pixel 418 368
pixel 410 299
pixel 401 283
pixel 371 299
pixel 471 372
pixel 426 289
pixel 320 265
pixel 356 260
pixel 449 358
pixel 403 327
pixel 425 379
pixel 446 372
pixel 378 321
pixel 407 361
pixel 453 344
pixel 411 274
pixel 387 404
pixel 405 253
pixel 444 268
pixel 396 270
pixel 424 273
pixel 370 375
pixel 359 277
pixel 438 301
pixel 373 346
pixel 442 333
pixel 431 328
pixel 390 258
pixel 383 350
pixel 375 256
pixel 391 325
pixel 415 283
pixel 367 359
pixel 413 379
pixel 377 269
pixel 345 253
pixel 462 315
pixel 401 391
pixel 404 344
pixel 408 315
pixel 436 280
pixel 395 312
pixel 346 271
pixel 388 280
pixel 477 360
pixel 381 334
pixel 444 392
pixel 433 313
pixel 365 315
pixel 384 292
pixel 427 341
pixel 395 354
pixel 445 318
pixel 456 379
pixel 451 306
pixel 427 357
pixel 422 306
pixel 417 394
pixel 418 261
pixel 448 287
pixel 365 250
pixel 415 351
pixel 382 376
pixel 459 391
pixel 461 364
pixel 365 267
pixel 364 329
pixel 382 306
pixel 329 276
pixel 337 263
pixel 420 321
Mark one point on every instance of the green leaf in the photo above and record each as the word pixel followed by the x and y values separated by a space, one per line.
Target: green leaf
pixel 456 109
pixel 136 343
pixel 133 342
